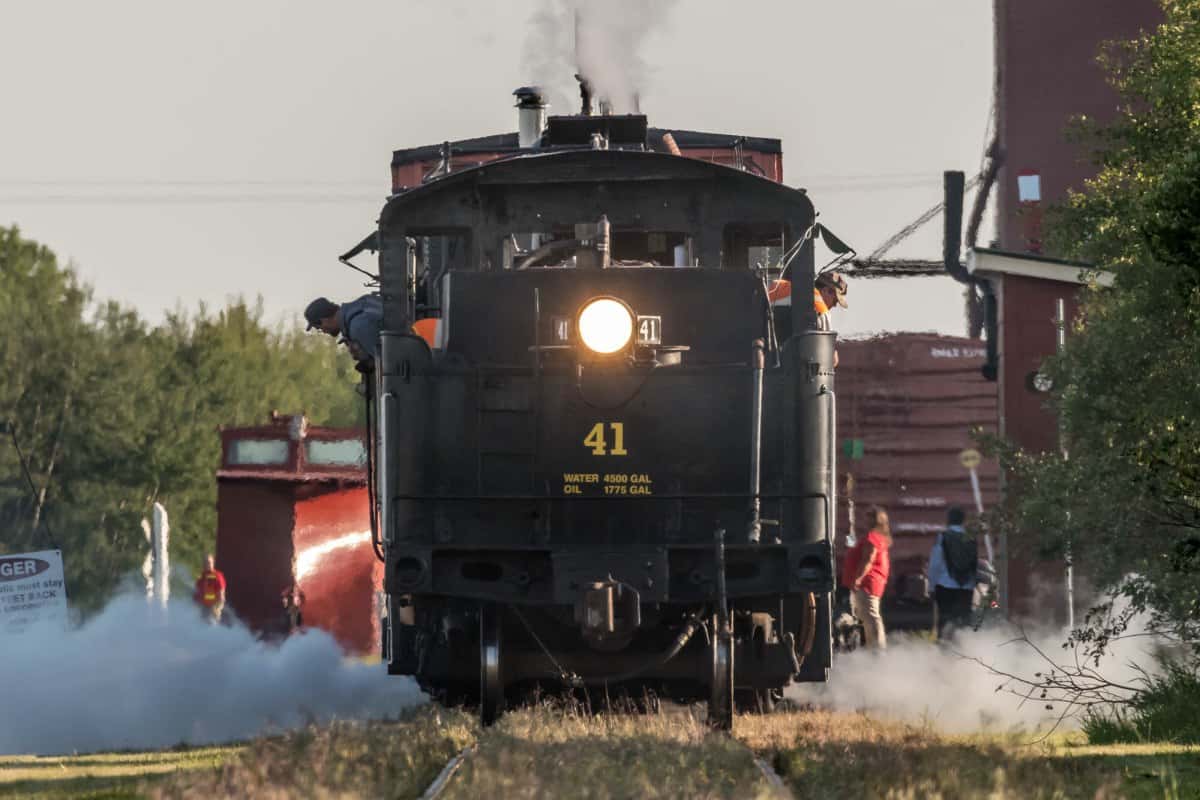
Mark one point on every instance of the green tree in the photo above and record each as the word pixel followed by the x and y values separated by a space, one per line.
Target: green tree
pixel 1126 503
pixel 228 369
pixel 113 414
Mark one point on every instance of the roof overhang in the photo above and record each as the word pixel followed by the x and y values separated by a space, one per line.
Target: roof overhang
pixel 985 262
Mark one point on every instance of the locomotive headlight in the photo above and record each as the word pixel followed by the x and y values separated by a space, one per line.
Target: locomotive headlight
pixel 605 325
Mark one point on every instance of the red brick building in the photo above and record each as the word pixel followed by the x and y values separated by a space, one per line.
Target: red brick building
pixel 1047 74
pixel 1028 289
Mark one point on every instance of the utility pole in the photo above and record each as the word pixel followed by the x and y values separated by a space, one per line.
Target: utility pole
pixel 157 567
pixel 1060 323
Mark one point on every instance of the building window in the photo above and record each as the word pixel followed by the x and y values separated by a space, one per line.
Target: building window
pixel 258 451
pixel 339 453
pixel 1029 188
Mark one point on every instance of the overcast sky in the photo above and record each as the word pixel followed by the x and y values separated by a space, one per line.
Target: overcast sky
pixel 183 152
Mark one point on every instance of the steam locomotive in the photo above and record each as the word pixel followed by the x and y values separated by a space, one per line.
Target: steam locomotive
pixel 610 465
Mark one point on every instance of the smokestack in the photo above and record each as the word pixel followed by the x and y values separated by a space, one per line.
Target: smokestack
pixel 585 95
pixel 531 116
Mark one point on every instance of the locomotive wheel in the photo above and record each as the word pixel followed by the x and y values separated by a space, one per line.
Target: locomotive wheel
pixel 757 701
pixel 491 681
pixel 720 701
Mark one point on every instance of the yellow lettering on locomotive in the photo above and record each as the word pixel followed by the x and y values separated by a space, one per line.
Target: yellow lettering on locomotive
pixel 595 439
pixel 598 443
pixel 619 439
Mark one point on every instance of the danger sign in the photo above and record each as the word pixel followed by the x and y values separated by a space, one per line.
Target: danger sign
pixel 32 590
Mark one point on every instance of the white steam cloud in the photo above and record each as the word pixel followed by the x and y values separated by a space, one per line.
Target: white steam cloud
pixel 957 687
pixel 131 679
pixel 602 39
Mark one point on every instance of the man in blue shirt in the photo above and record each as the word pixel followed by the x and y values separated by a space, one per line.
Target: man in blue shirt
pixel 357 322
pixel 953 563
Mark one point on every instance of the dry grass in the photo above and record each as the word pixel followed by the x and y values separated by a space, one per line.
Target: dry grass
pixel 561 750
pixel 835 755
pixel 396 759
pixel 109 775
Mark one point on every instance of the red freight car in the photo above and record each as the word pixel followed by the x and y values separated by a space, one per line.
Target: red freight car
pixel 292 510
pixel 907 405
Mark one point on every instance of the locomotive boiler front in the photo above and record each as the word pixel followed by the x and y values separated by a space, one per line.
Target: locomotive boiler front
pixel 602 456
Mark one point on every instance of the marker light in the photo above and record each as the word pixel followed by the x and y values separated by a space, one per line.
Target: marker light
pixel 605 325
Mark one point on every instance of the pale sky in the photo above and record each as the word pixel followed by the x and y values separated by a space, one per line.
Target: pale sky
pixel 183 152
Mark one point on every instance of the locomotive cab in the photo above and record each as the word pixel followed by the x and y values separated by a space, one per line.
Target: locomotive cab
pixel 607 470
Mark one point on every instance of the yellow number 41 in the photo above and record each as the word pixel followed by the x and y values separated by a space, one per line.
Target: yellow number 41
pixel 595 440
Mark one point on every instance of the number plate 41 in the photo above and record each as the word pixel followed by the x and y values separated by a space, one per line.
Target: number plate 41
pixel 608 441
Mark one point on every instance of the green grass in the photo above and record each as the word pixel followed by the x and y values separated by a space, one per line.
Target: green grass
pixel 1164 710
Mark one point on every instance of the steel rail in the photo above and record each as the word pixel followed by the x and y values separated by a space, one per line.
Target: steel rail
pixel 778 787
pixel 443 778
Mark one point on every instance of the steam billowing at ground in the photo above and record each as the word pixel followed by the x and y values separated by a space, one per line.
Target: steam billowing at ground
pixel 131 678
pixel 960 686
pixel 602 39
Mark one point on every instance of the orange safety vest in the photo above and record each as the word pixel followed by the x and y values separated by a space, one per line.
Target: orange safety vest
pixel 780 294
pixel 427 329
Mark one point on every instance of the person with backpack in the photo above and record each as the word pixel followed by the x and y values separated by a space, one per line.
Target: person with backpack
pixel 953 564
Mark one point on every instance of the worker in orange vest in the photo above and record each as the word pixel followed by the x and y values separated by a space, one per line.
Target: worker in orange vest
pixel 829 290
pixel 210 591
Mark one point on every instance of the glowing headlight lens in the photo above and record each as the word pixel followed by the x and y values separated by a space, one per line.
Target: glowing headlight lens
pixel 605 325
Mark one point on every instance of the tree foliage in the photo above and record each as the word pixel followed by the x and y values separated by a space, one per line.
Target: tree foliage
pixel 113 414
pixel 1126 502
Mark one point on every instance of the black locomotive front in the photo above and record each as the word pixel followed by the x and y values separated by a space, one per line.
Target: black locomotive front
pixel 607 471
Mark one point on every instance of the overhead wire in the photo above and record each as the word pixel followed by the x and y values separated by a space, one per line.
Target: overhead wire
pixel 916 224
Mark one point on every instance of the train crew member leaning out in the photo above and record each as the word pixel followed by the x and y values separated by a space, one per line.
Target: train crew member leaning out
pixel 829 290
pixel 210 591
pixel 953 566
pixel 870 563
pixel 358 323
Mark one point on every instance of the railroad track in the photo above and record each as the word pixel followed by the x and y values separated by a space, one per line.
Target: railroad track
pixel 438 787
pixel 778 787
pixel 446 778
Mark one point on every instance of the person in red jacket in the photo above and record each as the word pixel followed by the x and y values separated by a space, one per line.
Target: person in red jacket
pixel 210 591
pixel 867 567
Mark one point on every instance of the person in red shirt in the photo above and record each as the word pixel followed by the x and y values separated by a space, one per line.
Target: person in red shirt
pixel 210 591
pixel 867 567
